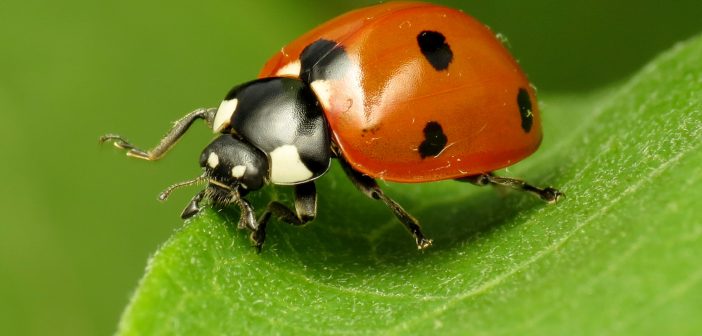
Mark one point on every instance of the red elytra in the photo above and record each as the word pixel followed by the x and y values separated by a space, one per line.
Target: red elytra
pixel 399 115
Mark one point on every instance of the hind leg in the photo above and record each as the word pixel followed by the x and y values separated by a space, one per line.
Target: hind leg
pixel 548 194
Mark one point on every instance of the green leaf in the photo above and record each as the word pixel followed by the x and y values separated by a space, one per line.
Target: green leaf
pixel 620 255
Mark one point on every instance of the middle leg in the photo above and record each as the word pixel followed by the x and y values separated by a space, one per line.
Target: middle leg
pixel 370 188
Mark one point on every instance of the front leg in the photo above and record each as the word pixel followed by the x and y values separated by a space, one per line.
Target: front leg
pixel 167 142
pixel 305 211
pixel 370 188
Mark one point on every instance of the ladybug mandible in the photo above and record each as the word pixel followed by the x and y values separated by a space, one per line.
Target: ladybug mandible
pixel 403 92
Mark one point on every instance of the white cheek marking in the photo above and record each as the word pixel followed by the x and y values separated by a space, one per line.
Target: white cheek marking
pixel 224 115
pixel 286 166
pixel 238 171
pixel 291 69
pixel 323 91
pixel 213 160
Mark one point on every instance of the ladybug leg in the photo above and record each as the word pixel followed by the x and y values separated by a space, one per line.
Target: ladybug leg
pixel 247 220
pixel 168 141
pixel 305 211
pixel 548 194
pixel 370 188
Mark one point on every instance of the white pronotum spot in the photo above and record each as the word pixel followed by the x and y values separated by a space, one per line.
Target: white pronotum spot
pixel 287 167
pixel 224 114
pixel 213 160
pixel 238 171
pixel 291 69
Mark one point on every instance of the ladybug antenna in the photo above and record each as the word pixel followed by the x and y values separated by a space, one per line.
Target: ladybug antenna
pixel 166 193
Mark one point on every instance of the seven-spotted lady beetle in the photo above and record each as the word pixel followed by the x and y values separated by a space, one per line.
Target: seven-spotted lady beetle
pixel 403 92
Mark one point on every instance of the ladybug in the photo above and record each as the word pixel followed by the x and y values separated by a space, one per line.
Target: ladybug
pixel 402 92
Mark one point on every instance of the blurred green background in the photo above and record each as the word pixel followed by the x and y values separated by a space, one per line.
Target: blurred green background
pixel 79 221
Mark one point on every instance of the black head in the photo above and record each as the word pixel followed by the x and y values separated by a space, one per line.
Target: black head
pixel 231 167
pixel 230 163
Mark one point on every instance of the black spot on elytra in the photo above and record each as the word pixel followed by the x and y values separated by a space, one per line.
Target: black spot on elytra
pixel 524 103
pixel 434 140
pixel 323 59
pixel 434 47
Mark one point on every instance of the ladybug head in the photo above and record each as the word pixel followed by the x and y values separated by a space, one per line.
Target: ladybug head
pixel 230 163
pixel 232 168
